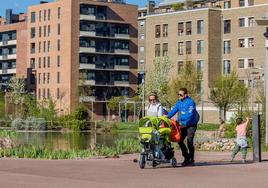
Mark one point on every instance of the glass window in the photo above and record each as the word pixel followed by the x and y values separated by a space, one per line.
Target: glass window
pixel 142 23
pixel 44 47
pixel 33 32
pixel 45 31
pixel 142 36
pixel 44 78
pixel 241 63
pixel 58 61
pixel 44 62
pixel 251 42
pixel 180 48
pixel 157 31
pixel 188 28
pixel 157 50
pixel 165 49
pixel 58 29
pixel 58 45
pixel 48 62
pixel 227 47
pixel 39 62
pixel 188 47
pixel 40 31
pixel 58 93
pixel 40 16
pixel 200 26
pixel 39 94
pixel 241 22
pixel 48 77
pixel 32 17
pixel 200 46
pixel 45 15
pixel 251 21
pixel 200 66
pixel 241 43
pixel 180 28
pixel 251 63
pixel 165 30
pixel 142 49
pixel 48 46
pixel 227 26
pixel 180 66
pixel 59 12
pixel 48 14
pixel 227 4
pixel 226 67
pixel 58 77
pixel 48 30
pixel 241 3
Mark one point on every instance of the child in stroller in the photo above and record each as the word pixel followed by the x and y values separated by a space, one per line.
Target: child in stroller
pixel 154 136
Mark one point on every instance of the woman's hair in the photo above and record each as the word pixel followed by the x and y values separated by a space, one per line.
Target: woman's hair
pixel 153 94
pixel 239 121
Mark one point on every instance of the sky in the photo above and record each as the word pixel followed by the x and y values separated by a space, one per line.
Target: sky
pixel 21 5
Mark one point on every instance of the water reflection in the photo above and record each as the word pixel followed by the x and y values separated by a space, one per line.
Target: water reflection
pixel 69 141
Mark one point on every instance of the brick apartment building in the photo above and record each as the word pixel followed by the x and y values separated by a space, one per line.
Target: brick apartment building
pixel 219 36
pixel 13 39
pixel 83 45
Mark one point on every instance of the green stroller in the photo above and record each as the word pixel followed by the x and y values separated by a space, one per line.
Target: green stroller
pixel 154 135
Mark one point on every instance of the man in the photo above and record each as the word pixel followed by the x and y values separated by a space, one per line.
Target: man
pixel 188 117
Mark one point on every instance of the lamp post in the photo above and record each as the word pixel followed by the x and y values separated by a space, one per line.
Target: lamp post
pixel 264 22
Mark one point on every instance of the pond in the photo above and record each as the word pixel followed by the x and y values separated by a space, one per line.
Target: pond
pixel 70 140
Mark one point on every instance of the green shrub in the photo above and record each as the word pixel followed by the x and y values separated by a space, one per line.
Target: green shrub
pixel 17 124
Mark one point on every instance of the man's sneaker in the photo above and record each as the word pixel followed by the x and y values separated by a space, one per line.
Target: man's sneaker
pixel 192 162
pixel 185 163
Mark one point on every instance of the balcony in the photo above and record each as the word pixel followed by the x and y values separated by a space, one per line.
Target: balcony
pixel 121 36
pixel 87 17
pixel 7 71
pixel 89 82
pixel 87 66
pixel 87 98
pixel 12 56
pixel 121 51
pixel 87 49
pixel 7 43
pixel 121 83
pixel 121 67
pixel 87 33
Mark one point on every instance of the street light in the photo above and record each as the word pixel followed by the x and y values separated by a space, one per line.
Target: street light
pixel 264 22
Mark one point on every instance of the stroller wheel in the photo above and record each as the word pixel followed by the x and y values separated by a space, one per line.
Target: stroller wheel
pixel 142 161
pixel 173 162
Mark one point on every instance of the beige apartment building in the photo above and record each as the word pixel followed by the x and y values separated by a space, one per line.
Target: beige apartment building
pixel 84 45
pixel 219 36
pixel 13 39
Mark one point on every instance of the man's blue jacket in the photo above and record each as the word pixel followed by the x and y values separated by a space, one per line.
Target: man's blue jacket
pixel 188 116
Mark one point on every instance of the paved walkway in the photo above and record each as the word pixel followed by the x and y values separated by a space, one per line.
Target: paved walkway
pixel 212 170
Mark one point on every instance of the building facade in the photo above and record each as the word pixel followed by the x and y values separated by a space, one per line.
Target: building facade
pixel 219 36
pixel 13 37
pixel 83 51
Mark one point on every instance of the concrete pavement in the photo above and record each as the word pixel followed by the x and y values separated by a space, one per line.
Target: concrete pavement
pixel 212 170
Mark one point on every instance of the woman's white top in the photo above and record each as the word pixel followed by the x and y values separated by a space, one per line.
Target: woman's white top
pixel 155 110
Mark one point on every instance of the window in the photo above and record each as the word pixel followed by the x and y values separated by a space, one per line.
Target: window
pixel 200 26
pixel 48 77
pixel 142 49
pixel 250 42
pixel 188 28
pixel 45 15
pixel 39 78
pixel 44 93
pixel 48 62
pixel 200 66
pixel 165 49
pixel 58 29
pixel 241 63
pixel 39 47
pixel 142 36
pixel 48 93
pixel 142 23
pixel 39 94
pixel 241 43
pixel 48 14
pixel 227 4
pixel 200 46
pixel 157 50
pixel 58 61
pixel 40 16
pixel 142 61
pixel 33 32
pixel 44 78
pixel 32 17
pixel 165 30
pixel 59 12
pixel 180 28
pixel 44 47
pixel 39 63
pixel 157 31
pixel 251 63
pixel 250 21
pixel 58 77
pixel 180 48
pixel 241 22
pixel 58 45
pixel 32 48
pixel 227 26
pixel 45 31
pixel 241 3
pixel 58 93
pixel 48 46
pixel 227 47
pixel 188 47
pixel 48 30
pixel 40 31
pixel 180 66
pixel 250 2
pixel 226 67
pixel 44 62
pixel 32 63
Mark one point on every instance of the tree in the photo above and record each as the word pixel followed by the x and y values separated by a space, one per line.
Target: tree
pixel 17 91
pixel 228 92
pixel 158 77
pixel 178 6
pixel 188 78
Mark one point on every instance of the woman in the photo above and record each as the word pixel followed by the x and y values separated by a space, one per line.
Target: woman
pixel 155 108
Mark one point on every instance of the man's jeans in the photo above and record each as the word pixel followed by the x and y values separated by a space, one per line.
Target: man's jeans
pixel 188 132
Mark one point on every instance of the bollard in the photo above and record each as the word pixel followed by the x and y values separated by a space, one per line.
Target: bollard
pixel 256 124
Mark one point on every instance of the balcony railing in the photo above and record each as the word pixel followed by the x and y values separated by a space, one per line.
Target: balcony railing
pixel 7 43
pixel 87 66
pixel 87 17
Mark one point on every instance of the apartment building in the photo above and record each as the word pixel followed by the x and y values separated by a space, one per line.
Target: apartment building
pixel 219 36
pixel 13 36
pixel 83 51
